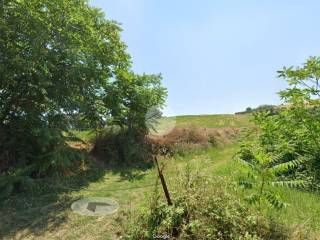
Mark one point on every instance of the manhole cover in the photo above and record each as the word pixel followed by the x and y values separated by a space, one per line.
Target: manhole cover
pixel 95 206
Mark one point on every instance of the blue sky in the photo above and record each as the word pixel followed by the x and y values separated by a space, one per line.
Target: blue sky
pixel 217 56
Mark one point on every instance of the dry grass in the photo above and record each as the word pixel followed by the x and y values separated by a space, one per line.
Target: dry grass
pixel 192 138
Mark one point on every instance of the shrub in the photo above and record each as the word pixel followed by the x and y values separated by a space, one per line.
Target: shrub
pixel 202 209
pixel 191 134
pixel 182 141
pixel 62 161
pixel 11 184
pixel 35 152
pixel 293 135
pixel 117 147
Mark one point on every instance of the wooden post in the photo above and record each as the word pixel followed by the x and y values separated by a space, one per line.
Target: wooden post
pixel 163 182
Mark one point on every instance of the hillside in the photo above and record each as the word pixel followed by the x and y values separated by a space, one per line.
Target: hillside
pixel 215 120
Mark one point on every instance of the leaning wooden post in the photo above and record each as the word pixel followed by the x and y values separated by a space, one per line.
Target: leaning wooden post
pixel 163 182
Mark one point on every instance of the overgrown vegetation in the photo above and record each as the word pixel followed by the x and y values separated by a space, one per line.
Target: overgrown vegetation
pixel 44 212
pixel 290 140
pixel 203 209
pixel 122 147
pixel 263 172
pixel 182 141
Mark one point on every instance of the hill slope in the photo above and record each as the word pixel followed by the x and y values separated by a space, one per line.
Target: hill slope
pixel 215 121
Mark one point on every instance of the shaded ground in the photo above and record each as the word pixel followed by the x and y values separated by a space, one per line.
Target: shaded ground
pixel 44 207
pixel 44 212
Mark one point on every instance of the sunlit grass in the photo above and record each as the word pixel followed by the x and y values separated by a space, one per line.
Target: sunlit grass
pixel 215 121
pixel 303 208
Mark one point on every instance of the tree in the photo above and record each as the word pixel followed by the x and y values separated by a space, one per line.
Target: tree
pixel 62 64
pixel 263 171
pixel 293 134
pixel 248 110
pixel 130 97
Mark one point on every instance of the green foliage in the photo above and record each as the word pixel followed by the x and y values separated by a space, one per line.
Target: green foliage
pixel 11 184
pixel 119 147
pixel 63 67
pixel 55 55
pixel 131 97
pixel 202 209
pixel 263 170
pixel 292 136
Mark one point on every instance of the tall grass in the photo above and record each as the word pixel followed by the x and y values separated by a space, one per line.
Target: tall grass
pixel 303 209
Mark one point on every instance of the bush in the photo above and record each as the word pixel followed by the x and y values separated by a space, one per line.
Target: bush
pixel 34 152
pixel 202 209
pixel 60 161
pixel 182 140
pixel 292 136
pixel 271 109
pixel 11 184
pixel 118 147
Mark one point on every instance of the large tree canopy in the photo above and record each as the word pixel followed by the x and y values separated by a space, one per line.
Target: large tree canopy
pixel 54 57
pixel 61 61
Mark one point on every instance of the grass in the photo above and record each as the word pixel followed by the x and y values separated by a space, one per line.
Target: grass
pixel 47 214
pixel 166 124
pixel 44 213
pixel 303 208
pixel 214 121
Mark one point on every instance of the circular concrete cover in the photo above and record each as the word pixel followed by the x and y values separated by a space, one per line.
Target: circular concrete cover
pixel 95 206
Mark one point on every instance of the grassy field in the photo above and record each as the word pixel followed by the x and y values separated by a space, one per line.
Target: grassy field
pixel 215 121
pixel 166 124
pixel 45 213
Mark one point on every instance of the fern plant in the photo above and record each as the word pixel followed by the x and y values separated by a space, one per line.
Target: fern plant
pixel 264 170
